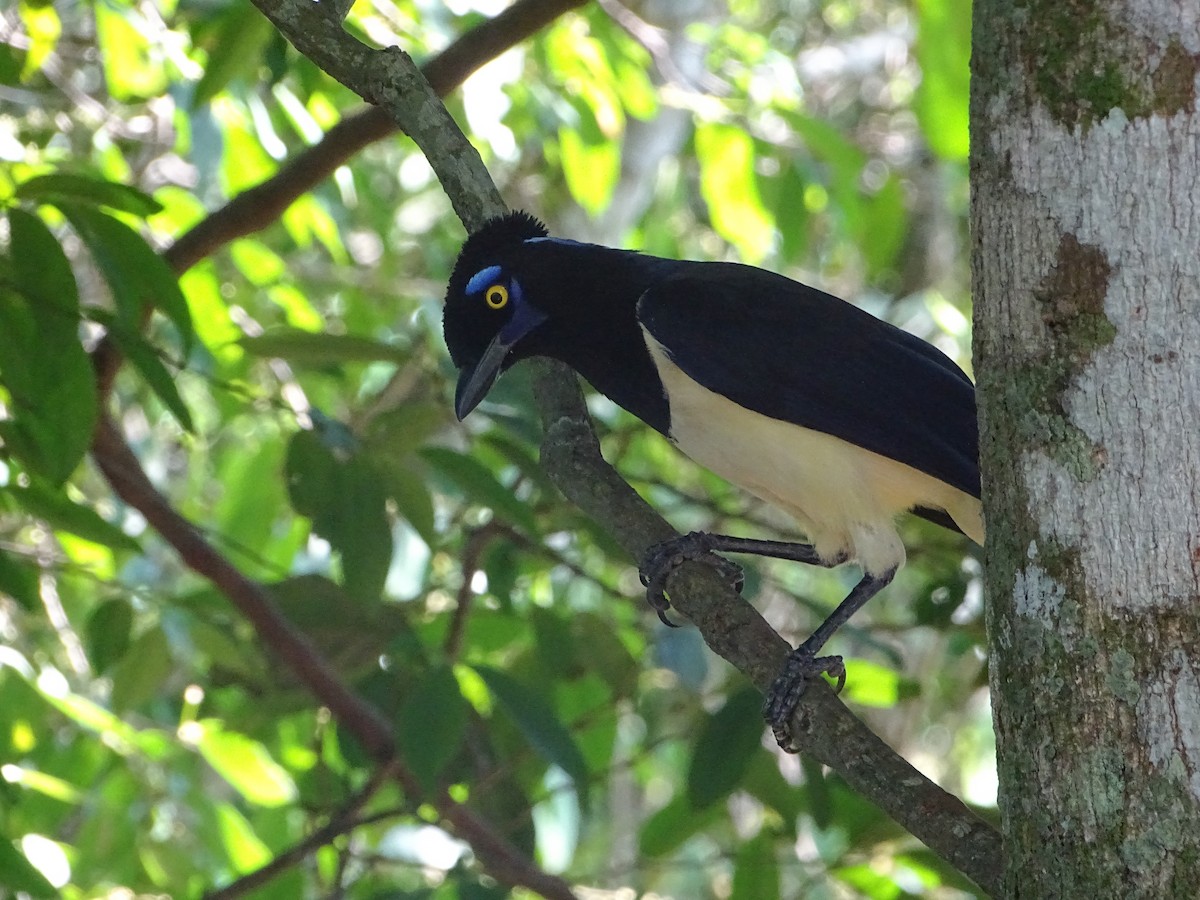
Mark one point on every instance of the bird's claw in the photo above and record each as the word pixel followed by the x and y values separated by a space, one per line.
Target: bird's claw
pixel 789 686
pixel 664 558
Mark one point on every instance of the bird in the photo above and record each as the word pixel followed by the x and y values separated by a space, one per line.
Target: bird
pixel 834 416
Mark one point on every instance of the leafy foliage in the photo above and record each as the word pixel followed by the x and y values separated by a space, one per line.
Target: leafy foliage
pixel 290 395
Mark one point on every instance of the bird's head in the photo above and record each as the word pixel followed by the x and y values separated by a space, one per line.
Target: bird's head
pixel 489 316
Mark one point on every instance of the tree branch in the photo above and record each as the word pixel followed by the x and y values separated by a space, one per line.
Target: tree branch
pixel 344 820
pixel 259 206
pixel 825 728
pixel 129 482
pixel 119 465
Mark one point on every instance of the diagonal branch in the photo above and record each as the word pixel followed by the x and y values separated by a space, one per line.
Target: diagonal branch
pixel 124 473
pixel 259 206
pixel 117 462
pixel 824 727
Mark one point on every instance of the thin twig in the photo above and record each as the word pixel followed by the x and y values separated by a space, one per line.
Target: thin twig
pixel 341 822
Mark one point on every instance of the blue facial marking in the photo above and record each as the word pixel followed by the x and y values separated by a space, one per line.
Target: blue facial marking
pixel 482 279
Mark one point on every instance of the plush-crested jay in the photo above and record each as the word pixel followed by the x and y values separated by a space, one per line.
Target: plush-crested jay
pixel 815 406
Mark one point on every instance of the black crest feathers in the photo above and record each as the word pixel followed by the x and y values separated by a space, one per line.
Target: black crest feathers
pixel 489 242
pixel 502 231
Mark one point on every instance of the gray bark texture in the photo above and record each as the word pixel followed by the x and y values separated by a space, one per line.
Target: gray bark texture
pixel 1086 223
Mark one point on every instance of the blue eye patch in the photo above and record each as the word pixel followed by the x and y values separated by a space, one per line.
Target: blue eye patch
pixel 482 279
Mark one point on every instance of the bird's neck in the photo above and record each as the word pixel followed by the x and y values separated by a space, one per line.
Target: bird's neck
pixel 599 336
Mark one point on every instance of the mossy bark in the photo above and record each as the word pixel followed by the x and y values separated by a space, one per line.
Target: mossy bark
pixel 1086 218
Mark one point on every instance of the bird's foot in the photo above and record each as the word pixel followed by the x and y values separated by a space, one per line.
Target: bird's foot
pixel 663 559
pixel 789 686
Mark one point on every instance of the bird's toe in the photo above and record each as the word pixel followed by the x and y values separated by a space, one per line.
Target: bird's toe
pixel 800 668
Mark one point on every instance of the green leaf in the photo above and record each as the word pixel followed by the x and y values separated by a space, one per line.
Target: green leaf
pixel 41 269
pixel 236 49
pixel 139 675
pixel 431 724
pixel 12 61
pixel 60 512
pixel 479 485
pixel 344 496
pixel 882 228
pixel 19 874
pixel 591 169
pixel 245 849
pixel 246 765
pixel 535 718
pixel 756 870
pixel 58 187
pixel 308 348
pixel 724 748
pixel 730 189
pixel 944 53
pixel 144 357
pixel 870 684
pixel 19 580
pixel 404 429
pixel 670 827
pixel 413 501
pixel 136 275
pixel 52 385
pixel 133 69
pixel 108 632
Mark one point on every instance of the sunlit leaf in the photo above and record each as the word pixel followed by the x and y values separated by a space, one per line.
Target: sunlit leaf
pixel 131 70
pixel 591 169
pixel 870 684
pixel 44 28
pixel 245 849
pixel 246 765
pixel 944 53
pixel 729 185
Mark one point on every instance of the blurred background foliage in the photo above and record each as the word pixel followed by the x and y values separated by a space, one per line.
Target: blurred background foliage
pixel 292 397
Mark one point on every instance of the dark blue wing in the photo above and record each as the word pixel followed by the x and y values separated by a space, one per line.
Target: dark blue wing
pixel 800 355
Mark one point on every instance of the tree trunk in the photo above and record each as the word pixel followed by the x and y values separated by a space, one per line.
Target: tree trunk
pixel 1086 217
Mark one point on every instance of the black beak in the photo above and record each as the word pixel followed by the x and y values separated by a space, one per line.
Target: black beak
pixel 475 381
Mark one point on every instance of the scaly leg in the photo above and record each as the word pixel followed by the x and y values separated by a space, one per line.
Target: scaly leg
pixel 803 664
pixel 700 546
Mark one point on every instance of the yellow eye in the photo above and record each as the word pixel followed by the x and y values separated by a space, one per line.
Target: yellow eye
pixel 496 296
